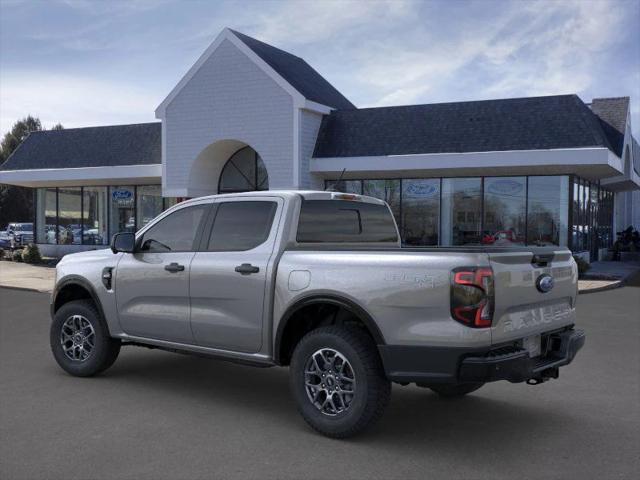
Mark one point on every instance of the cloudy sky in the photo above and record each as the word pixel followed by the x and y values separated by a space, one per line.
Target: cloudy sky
pixel 82 62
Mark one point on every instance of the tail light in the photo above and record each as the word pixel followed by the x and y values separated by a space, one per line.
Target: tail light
pixel 472 297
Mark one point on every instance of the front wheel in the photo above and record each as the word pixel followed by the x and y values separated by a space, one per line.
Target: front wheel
pixel 80 340
pixel 338 382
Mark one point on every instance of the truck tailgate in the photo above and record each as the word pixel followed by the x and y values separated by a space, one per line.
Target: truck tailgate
pixel 522 306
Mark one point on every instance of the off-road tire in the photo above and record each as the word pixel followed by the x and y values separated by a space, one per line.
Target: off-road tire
pixel 105 349
pixel 372 391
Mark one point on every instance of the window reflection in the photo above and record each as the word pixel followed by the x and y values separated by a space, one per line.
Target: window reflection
pixel 149 203
pixel 547 215
pixel 94 216
pixel 461 211
pixel 420 211
pixel 123 216
pixel 69 216
pixel 504 211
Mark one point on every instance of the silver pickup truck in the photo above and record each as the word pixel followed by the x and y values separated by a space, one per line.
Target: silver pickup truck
pixel 319 282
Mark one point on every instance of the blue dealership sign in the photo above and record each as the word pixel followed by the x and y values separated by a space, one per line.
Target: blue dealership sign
pixel 506 187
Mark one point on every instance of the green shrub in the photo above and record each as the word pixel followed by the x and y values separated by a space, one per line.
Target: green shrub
pixel 16 256
pixel 31 254
pixel 583 266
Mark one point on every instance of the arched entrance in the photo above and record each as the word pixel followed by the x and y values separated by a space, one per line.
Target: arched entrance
pixel 243 172
pixel 227 166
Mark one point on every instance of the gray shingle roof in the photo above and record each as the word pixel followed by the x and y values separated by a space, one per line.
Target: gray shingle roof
pixel 108 146
pixel 298 73
pixel 534 123
pixel 613 116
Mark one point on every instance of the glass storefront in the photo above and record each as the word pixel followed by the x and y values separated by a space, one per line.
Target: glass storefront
pixel 94 216
pixel 461 211
pixel 90 215
pixel 70 216
pixel 149 198
pixel 46 215
pixel 123 209
pixel 505 211
pixel 421 211
pixel 499 211
pixel 547 210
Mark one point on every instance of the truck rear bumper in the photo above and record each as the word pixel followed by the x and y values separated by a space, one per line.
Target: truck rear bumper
pixel 425 365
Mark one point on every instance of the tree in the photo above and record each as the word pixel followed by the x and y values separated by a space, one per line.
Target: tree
pixel 16 203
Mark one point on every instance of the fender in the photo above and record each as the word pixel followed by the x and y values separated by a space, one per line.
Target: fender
pixel 336 300
pixel 81 282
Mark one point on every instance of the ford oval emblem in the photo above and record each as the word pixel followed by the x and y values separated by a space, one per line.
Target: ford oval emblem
pixel 545 283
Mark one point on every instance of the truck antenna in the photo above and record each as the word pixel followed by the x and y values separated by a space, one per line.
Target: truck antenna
pixel 337 182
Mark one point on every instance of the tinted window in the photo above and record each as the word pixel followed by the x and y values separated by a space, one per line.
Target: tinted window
pixel 241 226
pixel 345 221
pixel 174 233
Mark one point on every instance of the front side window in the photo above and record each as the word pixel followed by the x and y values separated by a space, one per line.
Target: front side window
pixel 174 233
pixel 340 221
pixel 240 226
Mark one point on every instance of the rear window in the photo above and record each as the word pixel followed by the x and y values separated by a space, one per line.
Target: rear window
pixel 339 221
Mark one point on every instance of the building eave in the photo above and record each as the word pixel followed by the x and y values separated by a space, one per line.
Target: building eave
pixel 84 176
pixel 592 163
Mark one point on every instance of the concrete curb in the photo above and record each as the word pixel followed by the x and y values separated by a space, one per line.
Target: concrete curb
pixel 611 286
pixel 24 289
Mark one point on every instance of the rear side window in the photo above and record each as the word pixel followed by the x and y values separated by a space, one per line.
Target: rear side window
pixel 344 221
pixel 241 226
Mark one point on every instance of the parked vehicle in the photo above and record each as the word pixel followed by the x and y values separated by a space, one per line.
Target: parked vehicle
pixel 19 234
pixel 318 281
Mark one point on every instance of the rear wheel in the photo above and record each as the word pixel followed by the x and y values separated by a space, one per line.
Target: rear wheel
pixel 455 389
pixel 338 382
pixel 80 340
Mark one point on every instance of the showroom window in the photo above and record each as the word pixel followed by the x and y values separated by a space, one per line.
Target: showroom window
pixel 548 210
pixel 123 211
pixel 498 211
pixel 387 190
pixel 505 204
pixel 90 215
pixel 46 215
pixel 461 211
pixel 70 216
pixel 421 211
pixel 94 216
pixel 149 203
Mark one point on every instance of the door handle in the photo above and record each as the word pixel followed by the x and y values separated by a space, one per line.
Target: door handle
pixel 174 267
pixel 247 269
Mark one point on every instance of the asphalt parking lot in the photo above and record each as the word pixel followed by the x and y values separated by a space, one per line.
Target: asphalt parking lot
pixel 159 415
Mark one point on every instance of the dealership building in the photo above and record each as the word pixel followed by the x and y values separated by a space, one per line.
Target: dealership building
pixel 247 116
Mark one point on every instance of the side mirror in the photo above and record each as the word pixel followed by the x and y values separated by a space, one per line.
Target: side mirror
pixel 123 242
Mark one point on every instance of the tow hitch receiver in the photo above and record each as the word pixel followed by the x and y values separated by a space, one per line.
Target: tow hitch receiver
pixel 545 375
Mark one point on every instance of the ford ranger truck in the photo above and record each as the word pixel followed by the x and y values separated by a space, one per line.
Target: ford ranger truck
pixel 319 282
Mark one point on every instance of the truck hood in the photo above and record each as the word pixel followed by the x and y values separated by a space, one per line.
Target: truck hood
pixel 88 256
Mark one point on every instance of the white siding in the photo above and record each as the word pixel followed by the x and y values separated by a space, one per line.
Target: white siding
pixel 309 126
pixel 229 97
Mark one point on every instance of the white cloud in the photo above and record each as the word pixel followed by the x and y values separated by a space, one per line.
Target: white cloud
pixel 72 100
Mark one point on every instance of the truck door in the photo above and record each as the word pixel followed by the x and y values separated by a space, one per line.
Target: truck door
pixel 152 284
pixel 229 274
